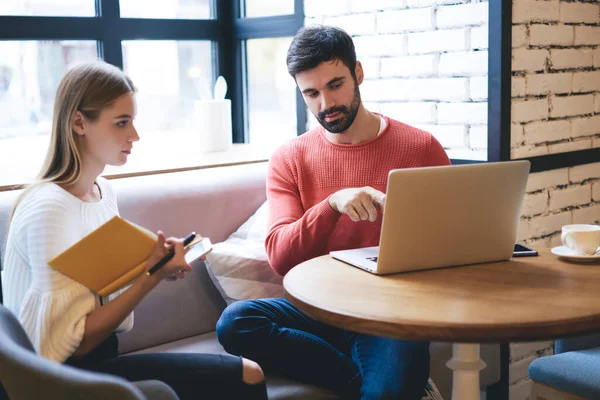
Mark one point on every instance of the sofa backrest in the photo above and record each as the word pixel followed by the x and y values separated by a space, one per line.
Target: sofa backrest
pixel 213 202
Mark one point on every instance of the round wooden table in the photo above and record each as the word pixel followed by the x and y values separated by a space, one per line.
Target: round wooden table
pixel 523 299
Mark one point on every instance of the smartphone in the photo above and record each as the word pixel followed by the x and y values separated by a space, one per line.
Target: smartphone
pixel 523 251
pixel 198 249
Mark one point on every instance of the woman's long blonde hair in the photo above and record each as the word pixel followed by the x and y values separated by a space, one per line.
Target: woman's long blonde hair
pixel 88 88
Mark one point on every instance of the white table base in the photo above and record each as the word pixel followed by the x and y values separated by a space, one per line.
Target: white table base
pixel 465 365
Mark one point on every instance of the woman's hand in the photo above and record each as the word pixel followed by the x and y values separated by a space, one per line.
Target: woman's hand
pixel 176 267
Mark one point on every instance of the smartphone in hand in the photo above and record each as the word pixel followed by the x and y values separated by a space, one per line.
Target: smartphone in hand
pixel 523 251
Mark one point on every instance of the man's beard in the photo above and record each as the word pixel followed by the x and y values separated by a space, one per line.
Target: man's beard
pixel 348 114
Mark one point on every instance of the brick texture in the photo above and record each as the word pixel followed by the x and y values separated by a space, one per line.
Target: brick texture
pixel 425 63
pixel 555 109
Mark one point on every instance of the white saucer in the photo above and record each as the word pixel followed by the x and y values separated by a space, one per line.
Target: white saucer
pixel 563 251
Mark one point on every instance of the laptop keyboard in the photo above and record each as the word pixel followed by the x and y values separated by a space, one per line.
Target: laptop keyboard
pixel 374 259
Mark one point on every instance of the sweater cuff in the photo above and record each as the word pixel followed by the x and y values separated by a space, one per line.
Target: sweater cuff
pixel 326 212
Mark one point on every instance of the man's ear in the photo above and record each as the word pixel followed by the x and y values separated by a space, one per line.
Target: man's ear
pixel 358 71
pixel 78 124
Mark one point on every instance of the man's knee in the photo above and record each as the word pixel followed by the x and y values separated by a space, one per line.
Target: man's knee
pixel 233 324
pixel 227 333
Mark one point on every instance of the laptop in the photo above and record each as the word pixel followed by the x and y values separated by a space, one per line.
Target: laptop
pixel 446 216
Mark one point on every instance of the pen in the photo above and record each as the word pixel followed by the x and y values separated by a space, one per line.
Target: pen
pixel 167 257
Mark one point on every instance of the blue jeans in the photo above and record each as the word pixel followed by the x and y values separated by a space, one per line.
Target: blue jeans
pixel 286 342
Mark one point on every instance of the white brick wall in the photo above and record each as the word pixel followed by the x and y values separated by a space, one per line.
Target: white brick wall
pixel 412 66
pixel 417 89
pixel 478 137
pixel 478 88
pixel 462 113
pixel 580 13
pixel 566 106
pixel 587 35
pixel 411 113
pixel 416 19
pixel 479 38
pixel 539 84
pixel 529 60
pixel 555 108
pixel 458 16
pixel 438 41
pixel 571 58
pixel 529 110
pixel 425 63
pixel 464 63
pixel 534 10
pixel 354 24
pixel 373 5
pixel 546 131
pixel 545 35
pixel 381 45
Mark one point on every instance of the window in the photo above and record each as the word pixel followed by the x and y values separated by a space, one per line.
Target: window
pixel 171 9
pixel 71 8
pixel 173 50
pixel 30 72
pixel 266 8
pixel 271 91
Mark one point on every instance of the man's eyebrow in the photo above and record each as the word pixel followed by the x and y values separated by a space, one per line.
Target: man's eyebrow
pixel 331 82
pixel 336 80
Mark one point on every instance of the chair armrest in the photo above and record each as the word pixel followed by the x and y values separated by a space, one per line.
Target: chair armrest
pixel 156 390
pixel 577 343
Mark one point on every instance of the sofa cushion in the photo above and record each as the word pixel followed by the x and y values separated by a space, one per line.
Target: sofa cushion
pixel 573 372
pixel 175 310
pixel 240 266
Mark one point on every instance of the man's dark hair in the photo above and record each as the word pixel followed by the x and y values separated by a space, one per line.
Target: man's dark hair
pixel 315 44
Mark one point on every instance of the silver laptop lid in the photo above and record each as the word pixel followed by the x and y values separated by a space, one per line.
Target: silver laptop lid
pixel 452 215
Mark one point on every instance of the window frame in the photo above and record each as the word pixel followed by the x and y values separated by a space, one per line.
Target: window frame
pixel 227 31
pixel 500 98
pixel 235 63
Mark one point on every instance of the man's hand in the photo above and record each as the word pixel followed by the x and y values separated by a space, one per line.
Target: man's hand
pixel 360 204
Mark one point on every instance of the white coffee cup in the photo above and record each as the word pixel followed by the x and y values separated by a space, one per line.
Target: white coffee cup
pixel 581 238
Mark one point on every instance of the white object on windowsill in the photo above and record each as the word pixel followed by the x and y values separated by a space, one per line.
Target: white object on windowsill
pixel 213 125
pixel 214 120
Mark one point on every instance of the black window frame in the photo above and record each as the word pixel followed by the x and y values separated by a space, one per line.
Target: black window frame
pixel 500 98
pixel 230 30
pixel 227 31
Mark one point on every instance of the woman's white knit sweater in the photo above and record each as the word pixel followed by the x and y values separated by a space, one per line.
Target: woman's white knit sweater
pixel 51 306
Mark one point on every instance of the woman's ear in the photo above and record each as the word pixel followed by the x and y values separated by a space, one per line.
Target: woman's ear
pixel 360 75
pixel 78 124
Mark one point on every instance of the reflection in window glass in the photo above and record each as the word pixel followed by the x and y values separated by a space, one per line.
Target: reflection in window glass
pixel 169 9
pixel 170 76
pixel 68 8
pixel 271 91
pixel 30 72
pixel 267 8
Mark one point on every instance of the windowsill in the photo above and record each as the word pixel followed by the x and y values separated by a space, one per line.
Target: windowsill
pixel 148 157
pixel 237 155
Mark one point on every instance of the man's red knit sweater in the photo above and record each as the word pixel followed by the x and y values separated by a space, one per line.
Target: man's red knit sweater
pixel 303 174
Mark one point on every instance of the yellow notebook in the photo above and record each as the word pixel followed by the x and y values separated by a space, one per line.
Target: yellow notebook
pixel 112 256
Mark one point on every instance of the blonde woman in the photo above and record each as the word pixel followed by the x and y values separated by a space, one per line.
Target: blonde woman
pixel 92 128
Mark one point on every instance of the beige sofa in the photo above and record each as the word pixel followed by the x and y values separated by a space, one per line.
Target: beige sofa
pixel 181 316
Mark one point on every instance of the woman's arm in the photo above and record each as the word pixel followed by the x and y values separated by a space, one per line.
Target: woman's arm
pixel 104 320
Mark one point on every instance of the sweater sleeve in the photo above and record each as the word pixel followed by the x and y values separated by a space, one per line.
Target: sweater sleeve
pixel 437 154
pixel 294 235
pixel 54 308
